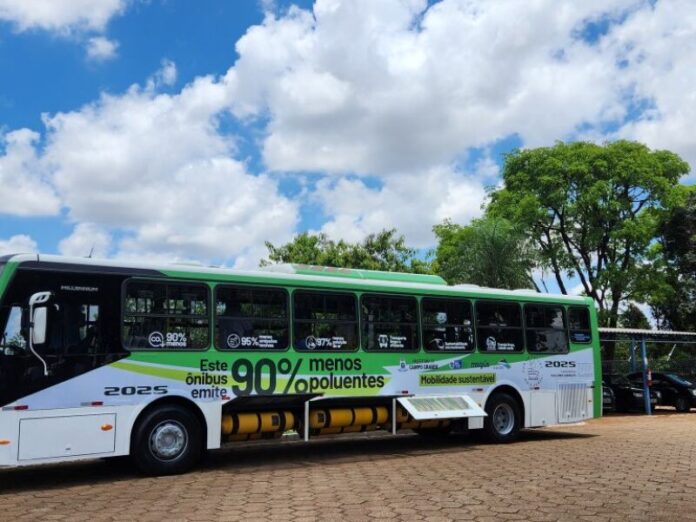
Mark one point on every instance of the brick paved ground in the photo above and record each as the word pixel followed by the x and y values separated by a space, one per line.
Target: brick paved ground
pixel 617 468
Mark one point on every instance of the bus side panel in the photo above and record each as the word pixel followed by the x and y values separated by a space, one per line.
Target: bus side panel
pixel 64 434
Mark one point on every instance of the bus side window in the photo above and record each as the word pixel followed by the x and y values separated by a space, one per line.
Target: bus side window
pixel 447 325
pixel 324 321
pixel 165 316
pixel 251 318
pixel 13 340
pixel 546 328
pixel 499 327
pixel 389 323
pixel 579 321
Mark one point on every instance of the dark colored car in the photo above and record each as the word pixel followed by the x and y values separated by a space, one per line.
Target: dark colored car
pixel 674 389
pixel 608 401
pixel 628 396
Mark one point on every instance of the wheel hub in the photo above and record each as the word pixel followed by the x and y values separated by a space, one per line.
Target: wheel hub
pixel 503 419
pixel 168 440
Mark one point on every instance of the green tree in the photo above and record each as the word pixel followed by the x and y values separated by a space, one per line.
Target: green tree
pixel 487 252
pixel 633 317
pixel 382 251
pixel 593 212
pixel 674 303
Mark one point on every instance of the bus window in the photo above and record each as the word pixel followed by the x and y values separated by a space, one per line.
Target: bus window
pixel 499 327
pixel 546 328
pixel 324 322
pixel 251 318
pixel 13 338
pixel 447 325
pixel 579 321
pixel 389 323
pixel 165 316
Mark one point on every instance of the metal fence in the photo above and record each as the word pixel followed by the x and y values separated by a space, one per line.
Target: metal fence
pixel 665 351
pixel 684 367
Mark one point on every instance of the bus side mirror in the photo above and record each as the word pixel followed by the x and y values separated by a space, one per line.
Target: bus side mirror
pixel 39 323
pixel 39 316
pixel 37 326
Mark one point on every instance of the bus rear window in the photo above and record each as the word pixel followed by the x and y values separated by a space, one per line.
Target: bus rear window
pixel 546 328
pixel 579 322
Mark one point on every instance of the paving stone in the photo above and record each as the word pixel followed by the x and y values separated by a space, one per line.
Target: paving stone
pixel 627 467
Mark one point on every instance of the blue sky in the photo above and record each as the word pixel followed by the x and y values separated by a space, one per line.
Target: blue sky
pixel 169 129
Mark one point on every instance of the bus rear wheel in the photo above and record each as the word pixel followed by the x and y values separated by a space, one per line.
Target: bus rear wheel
pixel 504 418
pixel 167 441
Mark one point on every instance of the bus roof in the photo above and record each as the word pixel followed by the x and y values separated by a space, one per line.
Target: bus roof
pixel 352 273
pixel 304 275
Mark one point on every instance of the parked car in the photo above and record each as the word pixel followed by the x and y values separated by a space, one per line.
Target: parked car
pixel 608 401
pixel 628 396
pixel 675 390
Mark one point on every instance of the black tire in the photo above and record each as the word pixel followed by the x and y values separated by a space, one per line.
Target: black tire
pixel 682 404
pixel 504 419
pixel 181 440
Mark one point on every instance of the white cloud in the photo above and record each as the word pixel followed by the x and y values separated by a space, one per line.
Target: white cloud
pixel 410 203
pixel 165 76
pixel 153 171
pixel 658 50
pixel 86 239
pixel 63 16
pixel 68 18
pixel 24 189
pixel 19 244
pixel 394 86
pixel 396 90
pixel 100 48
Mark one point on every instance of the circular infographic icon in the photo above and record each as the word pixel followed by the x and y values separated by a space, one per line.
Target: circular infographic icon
pixel 233 341
pixel 156 339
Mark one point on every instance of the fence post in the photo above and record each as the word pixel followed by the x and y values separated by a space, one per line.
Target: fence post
pixel 632 357
pixel 646 389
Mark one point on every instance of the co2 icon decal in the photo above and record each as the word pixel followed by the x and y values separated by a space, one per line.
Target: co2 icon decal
pixel 156 339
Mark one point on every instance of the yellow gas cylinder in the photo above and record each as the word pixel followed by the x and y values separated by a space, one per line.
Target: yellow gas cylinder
pixel 344 417
pixel 258 422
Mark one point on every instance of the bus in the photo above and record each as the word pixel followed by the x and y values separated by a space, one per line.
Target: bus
pixel 104 358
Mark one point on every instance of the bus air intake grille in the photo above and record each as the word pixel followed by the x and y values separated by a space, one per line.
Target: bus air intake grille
pixel 571 402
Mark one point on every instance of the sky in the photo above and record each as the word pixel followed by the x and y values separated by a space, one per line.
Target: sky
pixel 171 130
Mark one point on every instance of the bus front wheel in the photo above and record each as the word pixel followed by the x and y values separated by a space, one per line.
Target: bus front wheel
pixel 167 441
pixel 504 418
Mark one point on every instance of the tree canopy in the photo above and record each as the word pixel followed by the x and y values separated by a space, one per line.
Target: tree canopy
pixel 382 251
pixel 674 303
pixel 633 317
pixel 593 212
pixel 487 252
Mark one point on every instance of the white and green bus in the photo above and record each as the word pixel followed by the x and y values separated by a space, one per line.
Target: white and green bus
pixel 163 362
